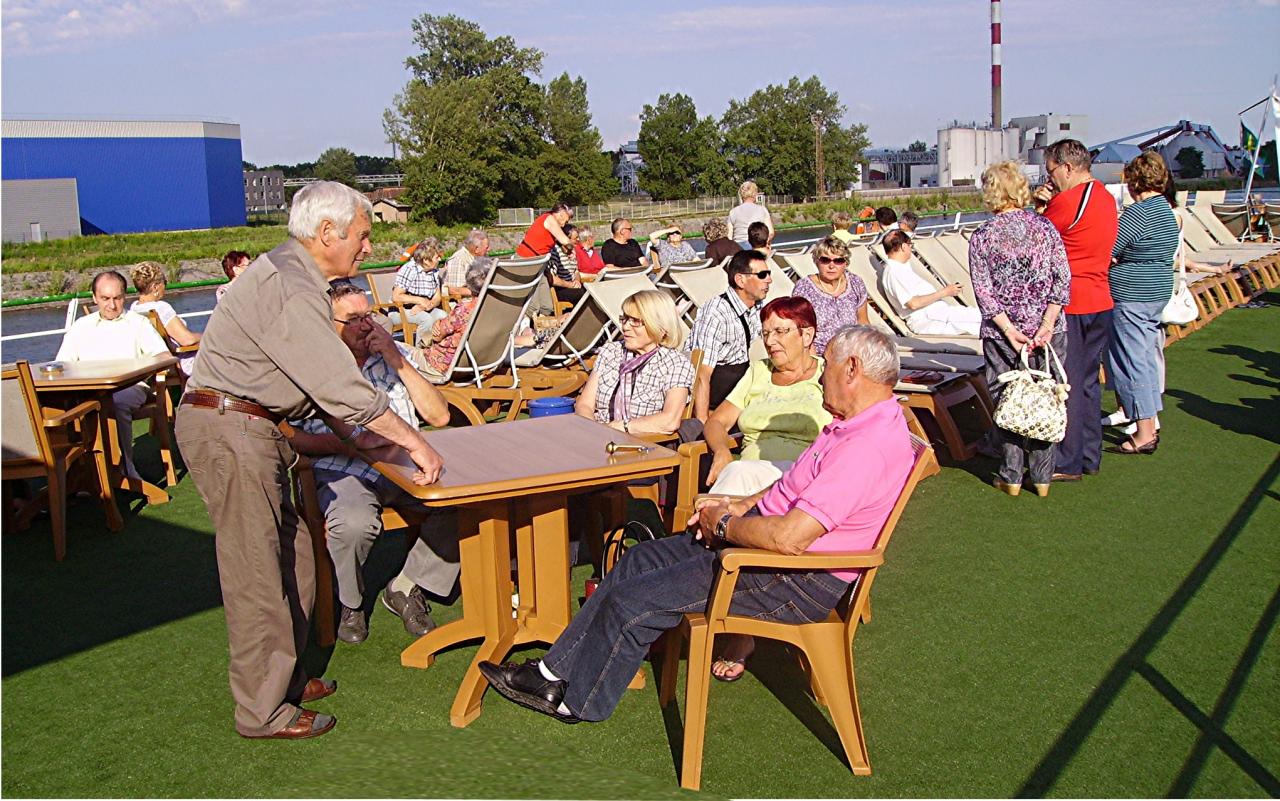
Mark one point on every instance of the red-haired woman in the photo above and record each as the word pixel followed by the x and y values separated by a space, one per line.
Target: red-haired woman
pixel 777 405
pixel 234 263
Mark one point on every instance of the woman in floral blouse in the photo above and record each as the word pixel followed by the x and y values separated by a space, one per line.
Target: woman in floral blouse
pixel 1021 279
pixel 446 334
pixel 839 297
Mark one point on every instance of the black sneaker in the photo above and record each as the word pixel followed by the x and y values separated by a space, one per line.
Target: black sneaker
pixel 525 685
pixel 412 609
pixel 352 626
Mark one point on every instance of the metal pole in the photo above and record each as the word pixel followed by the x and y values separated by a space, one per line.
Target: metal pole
pixel 1253 165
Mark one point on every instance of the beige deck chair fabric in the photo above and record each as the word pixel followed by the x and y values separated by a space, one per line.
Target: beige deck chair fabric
pixel 947 268
pixel 799 265
pixel 1209 197
pixel 861 266
pixel 487 342
pixel 1223 236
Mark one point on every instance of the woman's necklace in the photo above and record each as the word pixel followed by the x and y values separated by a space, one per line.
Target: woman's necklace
pixel 837 289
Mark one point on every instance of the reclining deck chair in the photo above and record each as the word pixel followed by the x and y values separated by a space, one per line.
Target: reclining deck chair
pixel 827 646
pixel 861 266
pixel 945 266
pixel 488 342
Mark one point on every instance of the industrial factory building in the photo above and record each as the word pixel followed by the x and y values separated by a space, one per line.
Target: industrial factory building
pixel 129 176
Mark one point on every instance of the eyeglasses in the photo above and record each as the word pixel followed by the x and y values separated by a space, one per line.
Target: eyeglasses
pixel 762 274
pixel 777 332
pixel 627 320
pixel 355 318
pixel 829 260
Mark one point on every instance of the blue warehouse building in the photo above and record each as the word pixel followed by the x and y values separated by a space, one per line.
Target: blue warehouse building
pixel 134 175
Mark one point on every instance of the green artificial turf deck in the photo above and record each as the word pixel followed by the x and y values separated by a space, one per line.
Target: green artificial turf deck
pixel 1114 639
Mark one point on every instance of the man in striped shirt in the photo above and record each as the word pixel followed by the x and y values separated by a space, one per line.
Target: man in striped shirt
pixel 1084 213
pixel 352 493
pixel 726 326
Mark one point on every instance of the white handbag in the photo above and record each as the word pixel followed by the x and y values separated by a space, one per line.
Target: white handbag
pixel 1032 404
pixel 1181 308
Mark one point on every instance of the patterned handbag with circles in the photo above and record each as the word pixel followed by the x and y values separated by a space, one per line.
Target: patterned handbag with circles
pixel 1032 404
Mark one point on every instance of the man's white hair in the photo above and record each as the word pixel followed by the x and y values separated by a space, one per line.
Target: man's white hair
pixel 325 200
pixel 874 350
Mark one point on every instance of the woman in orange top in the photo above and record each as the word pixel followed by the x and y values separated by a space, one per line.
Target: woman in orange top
pixel 545 232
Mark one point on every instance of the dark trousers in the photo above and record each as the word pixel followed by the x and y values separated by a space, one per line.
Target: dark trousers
pixel 1019 454
pixel 1087 338
pixel 240 464
pixel 647 592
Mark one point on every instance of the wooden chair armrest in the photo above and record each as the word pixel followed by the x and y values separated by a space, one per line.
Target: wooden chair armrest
pixel 182 350
pixel 732 559
pixel 658 439
pixel 73 414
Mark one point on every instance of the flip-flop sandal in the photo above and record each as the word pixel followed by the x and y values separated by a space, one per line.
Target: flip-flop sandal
pixel 728 663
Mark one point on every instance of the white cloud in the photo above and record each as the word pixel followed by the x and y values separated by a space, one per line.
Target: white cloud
pixel 41 26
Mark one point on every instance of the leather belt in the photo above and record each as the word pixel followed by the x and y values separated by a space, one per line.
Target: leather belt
pixel 221 401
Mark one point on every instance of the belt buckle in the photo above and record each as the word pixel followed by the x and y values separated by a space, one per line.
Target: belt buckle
pixel 222 404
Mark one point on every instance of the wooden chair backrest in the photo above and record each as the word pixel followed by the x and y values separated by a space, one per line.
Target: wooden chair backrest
pixel 160 329
pixel 382 284
pixel 24 437
pixel 860 591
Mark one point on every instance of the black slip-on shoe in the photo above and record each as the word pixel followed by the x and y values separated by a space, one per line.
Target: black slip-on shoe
pixel 526 686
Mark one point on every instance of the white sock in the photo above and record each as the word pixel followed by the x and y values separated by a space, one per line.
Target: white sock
pixel 546 672
pixel 564 710
pixel 402 584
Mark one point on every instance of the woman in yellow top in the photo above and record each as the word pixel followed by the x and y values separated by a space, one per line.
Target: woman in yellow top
pixel 777 405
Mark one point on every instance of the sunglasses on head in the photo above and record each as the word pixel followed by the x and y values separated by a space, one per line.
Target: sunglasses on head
pixel 841 260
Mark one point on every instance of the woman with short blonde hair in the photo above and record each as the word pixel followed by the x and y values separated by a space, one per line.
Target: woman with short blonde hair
pixel 149 279
pixel 1021 279
pixel 640 383
pixel 747 212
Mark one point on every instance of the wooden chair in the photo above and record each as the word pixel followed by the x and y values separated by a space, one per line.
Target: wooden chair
pixel 41 443
pixel 382 286
pixel 827 646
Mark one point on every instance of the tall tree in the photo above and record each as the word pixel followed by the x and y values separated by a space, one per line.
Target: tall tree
pixel 681 152
pixel 769 138
pixel 1190 162
pixel 572 166
pixel 337 164
pixel 469 122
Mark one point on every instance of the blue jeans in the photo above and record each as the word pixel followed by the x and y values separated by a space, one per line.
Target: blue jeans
pixel 1087 339
pixel 648 592
pixel 1133 359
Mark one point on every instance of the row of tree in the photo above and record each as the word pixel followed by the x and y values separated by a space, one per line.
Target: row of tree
pixel 335 164
pixel 477 132
pixel 775 137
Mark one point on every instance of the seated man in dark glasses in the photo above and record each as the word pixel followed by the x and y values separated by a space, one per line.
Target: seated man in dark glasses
pixel 726 326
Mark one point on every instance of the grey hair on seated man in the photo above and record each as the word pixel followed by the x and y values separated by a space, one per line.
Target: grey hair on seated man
pixel 875 352
pixel 325 200
pixel 478 273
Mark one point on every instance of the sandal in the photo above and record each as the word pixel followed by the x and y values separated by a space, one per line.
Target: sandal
pixel 724 665
pixel 1135 449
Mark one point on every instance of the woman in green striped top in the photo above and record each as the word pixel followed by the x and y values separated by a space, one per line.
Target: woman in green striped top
pixel 1141 284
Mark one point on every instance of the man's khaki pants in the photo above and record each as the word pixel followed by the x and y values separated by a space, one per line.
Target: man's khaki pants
pixel 240 464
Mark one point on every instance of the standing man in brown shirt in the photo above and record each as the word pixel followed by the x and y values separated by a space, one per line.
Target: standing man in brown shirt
pixel 270 352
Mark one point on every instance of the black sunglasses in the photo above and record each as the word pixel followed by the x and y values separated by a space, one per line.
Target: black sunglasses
pixel 762 274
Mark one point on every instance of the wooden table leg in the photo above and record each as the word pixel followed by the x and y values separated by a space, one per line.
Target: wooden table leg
pixel 472 554
pixel 547 548
pixel 494 600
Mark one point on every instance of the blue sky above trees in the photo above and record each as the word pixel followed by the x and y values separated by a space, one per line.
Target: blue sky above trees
pixel 303 77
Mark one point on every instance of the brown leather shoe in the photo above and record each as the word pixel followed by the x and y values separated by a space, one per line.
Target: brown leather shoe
pixel 318 688
pixel 307 723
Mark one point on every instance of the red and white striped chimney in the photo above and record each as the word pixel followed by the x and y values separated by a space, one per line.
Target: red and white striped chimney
pixel 996 118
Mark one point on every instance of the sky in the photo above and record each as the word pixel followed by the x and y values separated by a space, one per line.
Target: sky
pixel 302 77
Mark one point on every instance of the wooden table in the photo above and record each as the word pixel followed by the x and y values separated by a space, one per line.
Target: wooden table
pixel 100 380
pixel 515 475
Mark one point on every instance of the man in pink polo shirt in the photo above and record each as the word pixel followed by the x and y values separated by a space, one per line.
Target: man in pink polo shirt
pixel 836 497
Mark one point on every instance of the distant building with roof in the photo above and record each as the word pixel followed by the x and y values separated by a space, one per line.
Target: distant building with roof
pixel 264 191
pixel 1110 157
pixel 133 175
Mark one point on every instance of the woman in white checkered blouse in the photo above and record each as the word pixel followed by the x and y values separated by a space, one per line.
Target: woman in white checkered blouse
pixel 641 383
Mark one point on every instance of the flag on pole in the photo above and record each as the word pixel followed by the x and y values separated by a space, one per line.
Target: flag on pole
pixel 1248 139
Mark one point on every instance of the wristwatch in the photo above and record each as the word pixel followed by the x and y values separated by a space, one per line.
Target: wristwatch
pixel 722 527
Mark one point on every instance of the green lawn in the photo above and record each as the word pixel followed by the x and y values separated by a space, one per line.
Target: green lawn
pixel 1115 639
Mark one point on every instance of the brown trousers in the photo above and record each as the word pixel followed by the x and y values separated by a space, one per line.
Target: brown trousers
pixel 240 464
